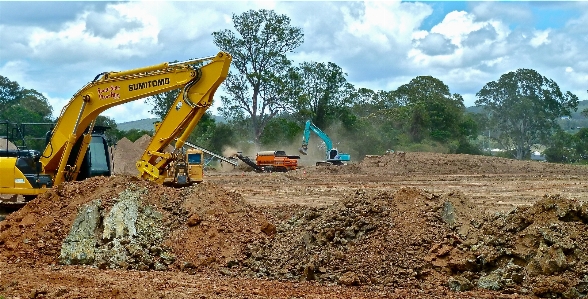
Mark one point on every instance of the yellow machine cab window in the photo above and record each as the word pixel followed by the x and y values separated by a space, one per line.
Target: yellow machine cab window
pixel 195 158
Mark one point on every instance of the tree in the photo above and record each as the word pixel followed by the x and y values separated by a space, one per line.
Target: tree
pixel 258 84
pixel 377 122
pixel 25 106
pixel 112 133
pixel 523 108
pixel 209 135
pixel 223 136
pixel 364 102
pixel 581 144
pixel 560 148
pixel 281 131
pixel 585 111
pixel 9 93
pixel 20 105
pixel 325 93
pixel 429 109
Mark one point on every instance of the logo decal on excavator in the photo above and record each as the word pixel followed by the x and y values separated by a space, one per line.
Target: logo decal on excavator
pixel 148 84
pixel 109 92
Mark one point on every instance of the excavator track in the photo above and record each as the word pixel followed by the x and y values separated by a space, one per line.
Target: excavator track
pixel 9 206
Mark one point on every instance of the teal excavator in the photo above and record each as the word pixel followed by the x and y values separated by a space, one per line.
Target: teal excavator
pixel 333 156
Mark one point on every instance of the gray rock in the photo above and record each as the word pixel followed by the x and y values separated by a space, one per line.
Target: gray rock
pixel 448 213
pixel 78 247
pixel 128 236
pixel 459 284
pixel 491 281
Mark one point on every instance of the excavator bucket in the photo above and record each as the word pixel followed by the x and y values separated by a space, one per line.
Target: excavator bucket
pixel 303 150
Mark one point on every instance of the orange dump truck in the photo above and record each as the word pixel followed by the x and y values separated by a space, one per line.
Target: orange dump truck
pixel 276 161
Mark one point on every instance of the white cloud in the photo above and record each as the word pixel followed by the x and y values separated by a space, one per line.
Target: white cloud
pixel 18 71
pixel 505 11
pixel 75 41
pixel 435 44
pixel 573 81
pixel 469 99
pixel 469 43
pixel 384 24
pixel 540 38
pixel 456 25
pixel 494 62
pixel 380 44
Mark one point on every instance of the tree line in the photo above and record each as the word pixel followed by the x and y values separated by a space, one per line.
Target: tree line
pixel 267 99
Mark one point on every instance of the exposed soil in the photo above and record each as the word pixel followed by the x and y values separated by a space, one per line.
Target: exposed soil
pixel 421 225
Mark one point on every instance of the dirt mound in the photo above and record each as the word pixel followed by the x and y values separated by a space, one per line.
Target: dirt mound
pixel 414 239
pixel 369 238
pixel 542 249
pixel 125 155
pixel 447 164
pixel 5 144
pixel 123 222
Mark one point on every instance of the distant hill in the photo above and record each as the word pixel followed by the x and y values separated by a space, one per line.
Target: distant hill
pixel 474 109
pixel 581 106
pixel 219 119
pixel 147 124
pixel 142 124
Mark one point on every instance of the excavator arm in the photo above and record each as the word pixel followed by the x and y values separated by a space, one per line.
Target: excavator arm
pixel 322 135
pixel 115 88
pixel 183 116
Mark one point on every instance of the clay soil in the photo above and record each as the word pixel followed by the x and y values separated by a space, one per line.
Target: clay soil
pixel 422 225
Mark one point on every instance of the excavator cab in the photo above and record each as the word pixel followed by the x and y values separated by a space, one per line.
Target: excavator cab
pixel 195 165
pixel 21 162
pixel 97 161
pixel 333 154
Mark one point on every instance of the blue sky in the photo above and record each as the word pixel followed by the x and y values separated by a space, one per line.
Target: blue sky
pixel 57 47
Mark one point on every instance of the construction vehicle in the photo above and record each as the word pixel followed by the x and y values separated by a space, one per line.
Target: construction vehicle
pixel 185 169
pixel 69 140
pixel 271 161
pixel 333 156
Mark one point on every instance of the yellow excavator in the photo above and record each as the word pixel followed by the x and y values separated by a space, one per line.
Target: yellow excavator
pixel 24 173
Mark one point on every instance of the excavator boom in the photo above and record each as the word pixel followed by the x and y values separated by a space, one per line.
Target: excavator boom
pixel 322 135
